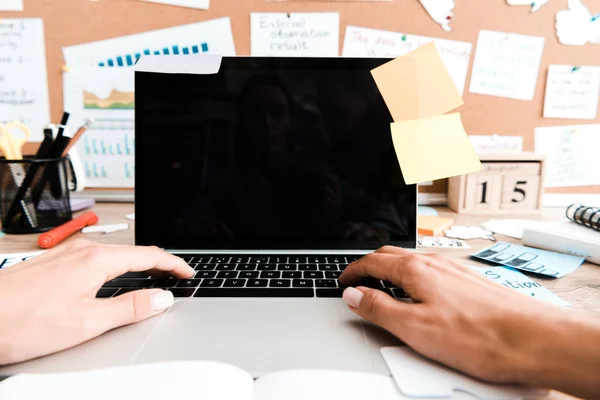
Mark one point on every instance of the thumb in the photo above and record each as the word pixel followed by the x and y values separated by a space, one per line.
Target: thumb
pixel 132 307
pixel 378 307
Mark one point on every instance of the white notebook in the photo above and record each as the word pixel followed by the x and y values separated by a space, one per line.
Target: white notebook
pixel 564 237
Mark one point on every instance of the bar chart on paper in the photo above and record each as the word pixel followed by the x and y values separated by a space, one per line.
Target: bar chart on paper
pixel 129 60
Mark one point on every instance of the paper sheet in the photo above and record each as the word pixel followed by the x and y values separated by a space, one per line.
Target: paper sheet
pixel 106 150
pixel 508 227
pixel 534 4
pixel 440 12
pixel 200 4
pixel 433 148
pixel 571 154
pixel 506 64
pixel 295 34
pixel 208 37
pixel 8 260
pixel 577 26
pixel 528 259
pixel 572 92
pixel 441 242
pixel 513 279
pixel 11 5
pixel 23 78
pixel 365 42
pixel 496 144
pixel 417 85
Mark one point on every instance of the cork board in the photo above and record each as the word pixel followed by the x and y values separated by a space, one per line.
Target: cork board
pixel 81 21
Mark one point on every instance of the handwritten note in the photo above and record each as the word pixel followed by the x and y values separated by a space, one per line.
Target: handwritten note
pixel 11 5
pixel 23 79
pixel 572 92
pixel 365 42
pixel 496 144
pixel 571 154
pixel 295 34
pixel 200 4
pixel 506 64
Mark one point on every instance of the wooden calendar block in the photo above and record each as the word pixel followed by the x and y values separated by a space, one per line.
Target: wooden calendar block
pixel 484 192
pixel 507 183
pixel 520 192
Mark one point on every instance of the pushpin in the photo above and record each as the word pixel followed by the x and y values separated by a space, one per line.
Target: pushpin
pixel 404 38
pixel 575 68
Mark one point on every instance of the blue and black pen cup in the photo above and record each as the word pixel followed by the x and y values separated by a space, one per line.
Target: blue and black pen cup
pixel 34 194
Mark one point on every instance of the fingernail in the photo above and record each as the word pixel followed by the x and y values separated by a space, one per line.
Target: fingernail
pixel 353 297
pixel 161 300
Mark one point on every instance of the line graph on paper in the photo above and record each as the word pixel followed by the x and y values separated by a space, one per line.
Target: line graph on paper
pixel 128 60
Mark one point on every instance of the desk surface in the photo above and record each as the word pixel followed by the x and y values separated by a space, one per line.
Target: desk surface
pixel 580 288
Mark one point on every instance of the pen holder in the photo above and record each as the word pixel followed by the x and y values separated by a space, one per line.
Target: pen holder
pixel 34 194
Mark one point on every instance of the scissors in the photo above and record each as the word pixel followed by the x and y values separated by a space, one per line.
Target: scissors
pixel 10 144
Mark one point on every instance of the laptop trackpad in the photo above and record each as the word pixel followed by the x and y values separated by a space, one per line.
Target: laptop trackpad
pixel 262 336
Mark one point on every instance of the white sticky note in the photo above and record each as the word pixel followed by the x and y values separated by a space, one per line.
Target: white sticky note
pixel 440 12
pixel 365 42
pixel 199 4
pixel 576 25
pixel 534 4
pixel 23 77
pixel 11 5
pixel 417 376
pixel 571 154
pixel 506 64
pixel 295 34
pixel 496 144
pixel 572 92
pixel 209 37
pixel 105 95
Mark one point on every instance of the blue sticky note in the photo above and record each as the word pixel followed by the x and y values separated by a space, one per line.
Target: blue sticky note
pixel 528 259
pixel 429 211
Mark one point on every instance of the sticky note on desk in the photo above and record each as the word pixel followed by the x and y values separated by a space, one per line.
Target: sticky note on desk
pixel 433 148
pixel 417 85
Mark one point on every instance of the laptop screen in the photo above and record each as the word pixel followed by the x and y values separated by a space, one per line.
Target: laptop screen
pixel 269 153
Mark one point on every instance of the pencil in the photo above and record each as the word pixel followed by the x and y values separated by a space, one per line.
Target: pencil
pixel 77 136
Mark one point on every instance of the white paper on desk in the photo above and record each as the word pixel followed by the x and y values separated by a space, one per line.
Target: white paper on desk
pixel 199 4
pixel 506 64
pixel 295 34
pixel 571 154
pixel 365 42
pixel 417 376
pixel 572 92
pixel 513 279
pixel 181 380
pixel 508 227
pixel 11 5
pixel 8 260
pixel 208 37
pixel 23 77
pixel 105 95
pixel 496 144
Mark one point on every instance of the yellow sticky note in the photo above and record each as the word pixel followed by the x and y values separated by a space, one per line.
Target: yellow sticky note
pixel 433 148
pixel 417 85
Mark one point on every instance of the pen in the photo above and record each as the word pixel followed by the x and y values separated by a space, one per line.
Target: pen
pixel 55 236
pixel 77 136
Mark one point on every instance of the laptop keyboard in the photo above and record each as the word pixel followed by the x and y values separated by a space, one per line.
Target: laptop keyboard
pixel 252 276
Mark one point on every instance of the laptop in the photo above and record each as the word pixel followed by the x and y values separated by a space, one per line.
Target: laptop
pixel 268 176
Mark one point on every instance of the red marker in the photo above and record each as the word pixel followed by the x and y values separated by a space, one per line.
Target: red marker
pixel 55 236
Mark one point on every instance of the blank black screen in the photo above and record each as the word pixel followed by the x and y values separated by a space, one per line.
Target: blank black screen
pixel 269 153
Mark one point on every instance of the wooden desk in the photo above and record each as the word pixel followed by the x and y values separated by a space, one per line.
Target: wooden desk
pixel 580 288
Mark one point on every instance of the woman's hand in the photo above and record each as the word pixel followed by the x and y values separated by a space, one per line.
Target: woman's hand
pixel 49 303
pixel 463 320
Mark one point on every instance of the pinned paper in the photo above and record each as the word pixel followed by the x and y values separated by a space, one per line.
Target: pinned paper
pixel 295 34
pixel 571 154
pixel 577 26
pixel 200 4
pixel 419 377
pixel 23 77
pixel 440 11
pixel 365 42
pixel 534 4
pixel 506 64
pixel 496 144
pixel 572 92
pixel 11 5
pixel 433 148
pixel 417 85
